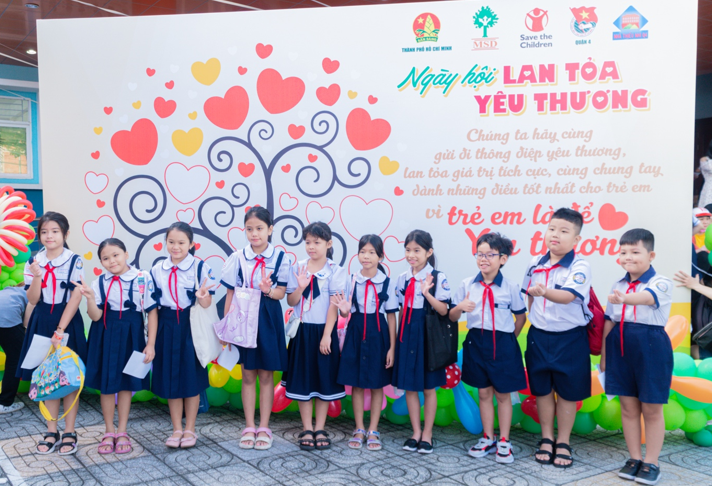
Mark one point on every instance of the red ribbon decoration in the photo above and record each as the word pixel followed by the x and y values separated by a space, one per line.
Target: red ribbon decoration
pixel 547 271
pixel 365 307
pixel 488 294
pixel 49 269
pixel 631 286
pixel 115 278
pixel 408 301
pixel 174 275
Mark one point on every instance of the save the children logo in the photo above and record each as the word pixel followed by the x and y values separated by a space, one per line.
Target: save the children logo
pixel 426 27
pixel 536 20
pixel 485 19
pixel 630 24
pixel 584 22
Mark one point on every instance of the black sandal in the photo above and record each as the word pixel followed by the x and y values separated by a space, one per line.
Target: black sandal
pixel 306 444
pixel 49 445
pixel 73 444
pixel 550 453
pixel 325 439
pixel 564 456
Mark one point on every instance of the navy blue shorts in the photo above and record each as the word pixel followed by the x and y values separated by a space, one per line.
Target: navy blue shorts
pixel 645 369
pixel 559 361
pixel 482 368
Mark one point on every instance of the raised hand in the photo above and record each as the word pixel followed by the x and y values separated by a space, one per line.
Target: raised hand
pixel 467 305
pixel 342 303
pixel 426 284
pixel 266 282
pixel 84 289
pixel 686 280
pixel 203 290
pixel 302 277
pixel 616 297
pixel 36 269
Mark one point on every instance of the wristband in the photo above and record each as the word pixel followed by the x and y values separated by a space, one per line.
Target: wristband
pixel 58 336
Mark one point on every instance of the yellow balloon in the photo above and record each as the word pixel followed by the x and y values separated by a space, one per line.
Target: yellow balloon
pixel 218 376
pixel 2 361
pixel 236 373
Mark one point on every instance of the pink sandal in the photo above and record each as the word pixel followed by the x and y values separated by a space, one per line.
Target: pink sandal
pixel 174 442
pixel 244 440
pixel 105 443
pixel 125 444
pixel 265 440
pixel 190 442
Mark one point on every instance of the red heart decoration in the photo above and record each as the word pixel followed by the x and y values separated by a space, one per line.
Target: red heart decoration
pixel 398 191
pixel 364 133
pixel 230 111
pixel 329 65
pixel 250 207
pixel 164 108
pixel 150 72
pixel 372 100
pixel 197 246
pixel 158 246
pixel 312 158
pixel 286 168
pixel 170 84
pixel 610 219
pixel 108 110
pixel 241 70
pixel 97 271
pixel 296 131
pixel 263 51
pixel 95 155
pixel 278 95
pixel 138 145
pixel 329 95
pixel 220 184
pixel 100 203
pixel 245 170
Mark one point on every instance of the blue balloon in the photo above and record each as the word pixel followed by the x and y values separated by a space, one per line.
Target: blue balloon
pixel 459 359
pixel 467 410
pixel 400 407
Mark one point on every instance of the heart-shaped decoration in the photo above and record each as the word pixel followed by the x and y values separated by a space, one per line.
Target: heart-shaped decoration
pixel 95 155
pixel 245 170
pixel 99 230
pixel 170 84
pixel 150 72
pixel 263 51
pixel 197 246
pixel 242 70
pixel 312 158
pixel 230 111
pixel 98 130
pixel 372 100
pixel 158 246
pixel 138 145
pixel 610 219
pixel 398 191
pixel 316 212
pixel 188 142
pixel 278 95
pixel 186 185
pixel 220 184
pixel 108 110
pixel 329 66
pixel 287 202
pixel 96 183
pixel 365 133
pixel 100 203
pixel 329 96
pixel 393 249
pixel 388 166
pixel 164 108
pixel 193 115
pixel 360 217
pixel 185 215
pixel 97 271
pixel 352 94
pixel 136 104
pixel 88 255
pixel 288 254
pixel 286 168
pixel 296 131
pixel 206 73
pixel 236 237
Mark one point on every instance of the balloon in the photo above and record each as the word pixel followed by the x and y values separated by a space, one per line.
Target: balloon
pixel 236 373
pixel 280 398
pixel 677 328
pixel 400 407
pixel 293 407
pixel 453 374
pixel 217 397
pixel 4 274
pixel 703 438
pixel 584 423
pixel 453 411
pixel 590 404
pixel 391 392
pixel 596 388
pixel 529 408
pixel 704 369
pixel 394 418
pixel 348 407
pixel 530 425
pixel 232 386
pixel 684 365
pixel 366 400
pixel 8 283
pixel 697 389
pixel 2 361
pixel 690 404
pixel 236 401
pixel 334 408
pixel 24 387
pixel 18 275
pixel 708 238
pixel 467 410
pixel 695 420
pixel 517 414
pixel 15 216
pixel 443 417
pixel 23 256
pixel 142 396
pixel 526 391
pixel 445 397
pixel 459 358
pixel 218 376
pixel 674 415
pixel 162 400
pixel 608 415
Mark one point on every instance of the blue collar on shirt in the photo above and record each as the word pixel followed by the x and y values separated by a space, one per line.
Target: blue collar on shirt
pixel 497 280
pixel 645 278
pixel 564 262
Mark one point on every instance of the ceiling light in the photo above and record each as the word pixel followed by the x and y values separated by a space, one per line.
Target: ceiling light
pixel 32 5
pixel 31 51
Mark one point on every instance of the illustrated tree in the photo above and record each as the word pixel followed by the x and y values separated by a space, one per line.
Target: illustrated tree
pixel 484 19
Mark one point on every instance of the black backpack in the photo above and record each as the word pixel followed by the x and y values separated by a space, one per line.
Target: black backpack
pixel 441 335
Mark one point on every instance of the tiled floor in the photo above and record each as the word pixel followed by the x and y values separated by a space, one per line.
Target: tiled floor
pixel 218 460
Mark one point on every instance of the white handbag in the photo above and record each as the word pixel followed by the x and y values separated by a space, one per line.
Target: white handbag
pixel 206 343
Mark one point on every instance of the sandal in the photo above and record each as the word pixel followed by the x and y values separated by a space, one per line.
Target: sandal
pixel 324 440
pixel 357 440
pixel 306 444
pixel 266 440
pixel 49 445
pixel 126 446
pixel 73 444
pixel 377 441
pixel 566 457
pixel 174 442
pixel 540 451
pixel 108 447
pixel 244 440
pixel 190 441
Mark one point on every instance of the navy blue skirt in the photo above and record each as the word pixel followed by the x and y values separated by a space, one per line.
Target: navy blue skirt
pixel 177 373
pixel 409 371
pixel 310 373
pixel 110 350
pixel 482 367
pixel 363 361
pixel 271 351
pixel 44 322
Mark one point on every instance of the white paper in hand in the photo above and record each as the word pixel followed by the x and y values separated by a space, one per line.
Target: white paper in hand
pixel 39 347
pixel 136 367
pixel 229 357
pixel 602 381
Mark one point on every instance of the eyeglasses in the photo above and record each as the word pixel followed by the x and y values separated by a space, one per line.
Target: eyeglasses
pixel 488 256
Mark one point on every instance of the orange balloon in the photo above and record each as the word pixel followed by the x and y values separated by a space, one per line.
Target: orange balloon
pixel 697 389
pixel 642 429
pixel 677 328
pixel 596 388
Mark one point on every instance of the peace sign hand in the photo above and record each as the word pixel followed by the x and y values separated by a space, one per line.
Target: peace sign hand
pixel 203 290
pixel 342 303
pixel 84 289
pixel 426 284
pixel 302 277
pixel 266 282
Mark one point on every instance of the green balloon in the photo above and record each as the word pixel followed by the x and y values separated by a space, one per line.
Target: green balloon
pixel 347 405
pixel 23 256
pixel 233 386
pixel 395 418
pixel 445 397
pixel 674 415
pixel 217 397
pixel 517 414
pixel 8 283
pixel 162 400
pixel 453 412
pixel 293 407
pixel 584 423
pixel 530 425
pixel 18 275
pixel 24 387
pixel 236 400
pixel 142 396
pixel 590 404
pixel 690 404
pixel 496 418
pixel 704 369
pixel 695 420
pixel 608 415
pixel 708 238
pixel 4 274
pixel 703 438
pixel 683 365
pixel 443 417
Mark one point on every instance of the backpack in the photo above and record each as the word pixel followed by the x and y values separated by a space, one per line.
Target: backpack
pixel 595 325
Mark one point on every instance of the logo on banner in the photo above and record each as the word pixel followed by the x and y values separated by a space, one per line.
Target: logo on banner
pixel 584 22
pixel 485 19
pixel 536 21
pixel 426 28
pixel 629 23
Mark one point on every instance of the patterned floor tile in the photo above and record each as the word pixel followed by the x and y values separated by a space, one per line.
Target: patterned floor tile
pixel 671 475
pixel 144 469
pixel 399 470
pixel 239 474
pixel 204 456
pixel 298 465
pixel 500 475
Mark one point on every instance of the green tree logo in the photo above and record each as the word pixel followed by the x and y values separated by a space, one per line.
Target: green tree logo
pixel 484 19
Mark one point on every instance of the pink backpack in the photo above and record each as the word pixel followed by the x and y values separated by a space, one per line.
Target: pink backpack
pixel 240 324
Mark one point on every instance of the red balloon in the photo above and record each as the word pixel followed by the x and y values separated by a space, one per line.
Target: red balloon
pixel 280 398
pixel 526 391
pixel 579 405
pixel 334 408
pixel 529 408
pixel 454 375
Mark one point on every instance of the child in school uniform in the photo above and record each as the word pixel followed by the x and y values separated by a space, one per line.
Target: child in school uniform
pixel 13 318
pixel 558 355
pixel 178 376
pixel 314 351
pixel 369 345
pixel 116 302
pixel 268 269
pixel 409 370
pixel 637 353
pixel 48 280
pixel 491 358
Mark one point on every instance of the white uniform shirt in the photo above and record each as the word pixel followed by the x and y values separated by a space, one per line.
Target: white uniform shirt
pixel 654 315
pixel 61 273
pixel 186 281
pixel 232 274
pixel 118 301
pixel 388 305
pixel 572 274
pixel 330 280
pixel 507 301
pixel 442 288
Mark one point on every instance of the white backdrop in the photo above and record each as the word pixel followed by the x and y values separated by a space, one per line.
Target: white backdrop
pixel 375 119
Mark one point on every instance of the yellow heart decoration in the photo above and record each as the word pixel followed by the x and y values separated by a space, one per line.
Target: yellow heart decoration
pixel 193 115
pixel 187 143
pixel 388 166
pixel 98 130
pixel 88 255
pixel 136 105
pixel 206 73
pixel 352 94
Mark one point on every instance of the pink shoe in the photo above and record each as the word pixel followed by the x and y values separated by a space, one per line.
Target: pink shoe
pixel 174 442
pixel 190 442
pixel 244 440
pixel 124 444
pixel 106 443
pixel 267 441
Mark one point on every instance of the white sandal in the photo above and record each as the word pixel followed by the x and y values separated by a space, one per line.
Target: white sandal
pixel 267 439
pixel 244 440
pixel 357 440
